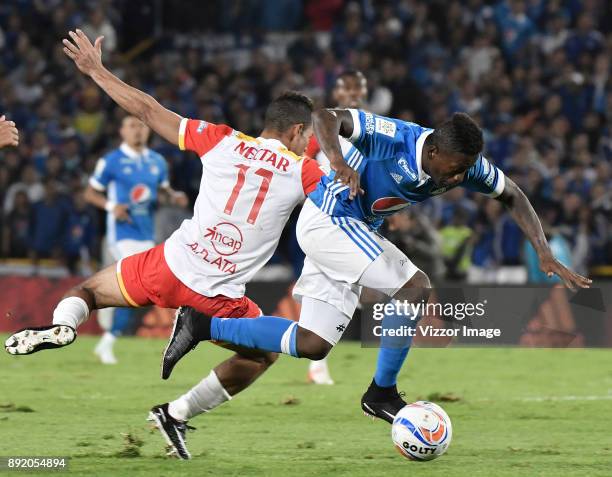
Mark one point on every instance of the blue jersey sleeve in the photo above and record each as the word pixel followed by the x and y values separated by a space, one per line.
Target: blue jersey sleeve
pixel 103 174
pixel 485 178
pixel 376 137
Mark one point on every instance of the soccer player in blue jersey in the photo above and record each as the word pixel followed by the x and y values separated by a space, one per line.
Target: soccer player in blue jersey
pixel 398 163
pixel 125 183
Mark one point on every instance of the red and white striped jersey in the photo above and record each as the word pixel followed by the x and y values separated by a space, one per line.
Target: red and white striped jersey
pixel 249 188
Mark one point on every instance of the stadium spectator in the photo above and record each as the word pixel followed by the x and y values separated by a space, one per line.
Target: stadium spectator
pixel 80 236
pixel 98 25
pixel 16 230
pixel 48 226
pixel 29 184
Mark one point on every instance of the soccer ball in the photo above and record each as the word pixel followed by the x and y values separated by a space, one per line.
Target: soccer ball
pixel 422 431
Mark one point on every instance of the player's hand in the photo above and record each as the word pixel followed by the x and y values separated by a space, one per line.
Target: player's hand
pixel 86 56
pixel 9 135
pixel 179 199
pixel 348 176
pixel 572 280
pixel 121 213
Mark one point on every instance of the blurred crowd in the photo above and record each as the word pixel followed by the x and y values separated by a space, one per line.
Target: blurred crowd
pixel 535 74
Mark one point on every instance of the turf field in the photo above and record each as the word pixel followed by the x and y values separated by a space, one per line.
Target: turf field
pixel 520 413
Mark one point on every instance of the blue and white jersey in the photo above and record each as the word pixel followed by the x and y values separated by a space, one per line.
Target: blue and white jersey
pixel 387 154
pixel 132 178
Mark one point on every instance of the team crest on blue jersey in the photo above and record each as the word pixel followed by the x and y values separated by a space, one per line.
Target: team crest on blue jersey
pixel 388 205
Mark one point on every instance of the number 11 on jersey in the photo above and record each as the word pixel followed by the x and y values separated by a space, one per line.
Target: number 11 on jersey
pixel 266 178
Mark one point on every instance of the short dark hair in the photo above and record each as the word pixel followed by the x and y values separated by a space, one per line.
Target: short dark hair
pixel 351 74
pixel 459 135
pixel 288 109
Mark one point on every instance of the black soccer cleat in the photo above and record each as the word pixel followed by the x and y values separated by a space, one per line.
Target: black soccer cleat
pixel 31 340
pixel 383 403
pixel 172 429
pixel 190 327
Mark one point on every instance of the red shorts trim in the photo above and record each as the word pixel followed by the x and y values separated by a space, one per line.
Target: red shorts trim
pixel 145 279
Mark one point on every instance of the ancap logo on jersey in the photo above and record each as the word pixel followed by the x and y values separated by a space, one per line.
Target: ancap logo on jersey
pixel 388 205
pixel 140 193
pixel 225 238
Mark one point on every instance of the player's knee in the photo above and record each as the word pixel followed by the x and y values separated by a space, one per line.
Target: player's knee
pixel 85 292
pixel 310 345
pixel 416 289
pixel 268 359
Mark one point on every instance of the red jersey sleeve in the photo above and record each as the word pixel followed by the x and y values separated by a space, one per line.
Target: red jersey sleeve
pixel 313 148
pixel 311 175
pixel 201 136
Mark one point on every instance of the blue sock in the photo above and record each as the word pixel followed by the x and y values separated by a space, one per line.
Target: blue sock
pixel 393 350
pixel 121 320
pixel 268 333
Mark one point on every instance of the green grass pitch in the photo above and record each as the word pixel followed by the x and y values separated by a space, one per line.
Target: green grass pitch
pixel 521 412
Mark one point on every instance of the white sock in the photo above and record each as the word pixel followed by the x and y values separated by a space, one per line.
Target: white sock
pixel 316 364
pixel 203 397
pixel 71 311
pixel 108 338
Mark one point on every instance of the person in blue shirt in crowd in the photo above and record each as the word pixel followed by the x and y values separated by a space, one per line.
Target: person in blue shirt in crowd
pixel 125 183
pixel 48 225
pixel 80 235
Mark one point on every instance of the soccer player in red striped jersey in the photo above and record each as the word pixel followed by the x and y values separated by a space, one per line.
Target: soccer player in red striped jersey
pixel 249 188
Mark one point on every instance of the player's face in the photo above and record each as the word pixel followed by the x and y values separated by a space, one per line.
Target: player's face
pixel 350 92
pixel 134 132
pixel 447 170
pixel 300 138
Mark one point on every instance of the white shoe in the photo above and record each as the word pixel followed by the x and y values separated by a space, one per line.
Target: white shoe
pixel 104 349
pixel 318 373
pixel 31 340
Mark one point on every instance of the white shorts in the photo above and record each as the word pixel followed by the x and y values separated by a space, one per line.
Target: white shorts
pixel 342 255
pixel 126 247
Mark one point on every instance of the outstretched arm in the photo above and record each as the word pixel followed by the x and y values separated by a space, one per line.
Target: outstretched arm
pixel 88 59
pixel 522 212
pixel 328 124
